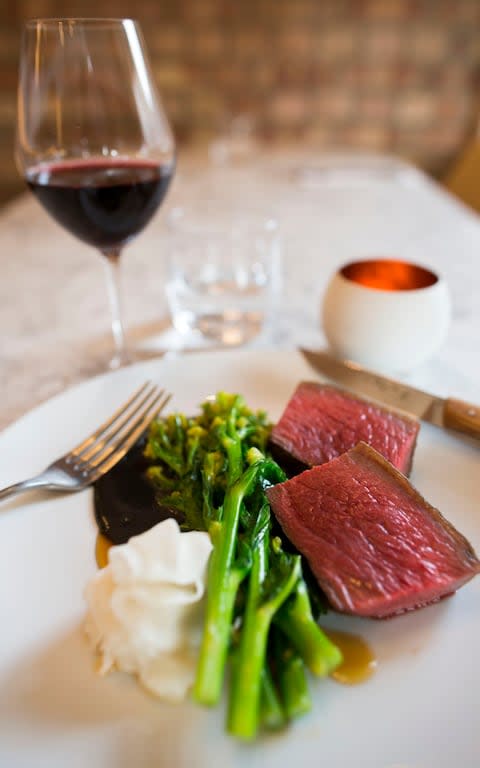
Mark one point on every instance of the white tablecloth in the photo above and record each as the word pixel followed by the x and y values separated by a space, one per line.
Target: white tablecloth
pixel 54 320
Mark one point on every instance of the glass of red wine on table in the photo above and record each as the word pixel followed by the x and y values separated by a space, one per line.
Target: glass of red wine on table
pixel 93 140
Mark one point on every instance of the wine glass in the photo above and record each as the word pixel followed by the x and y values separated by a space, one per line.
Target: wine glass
pixel 93 141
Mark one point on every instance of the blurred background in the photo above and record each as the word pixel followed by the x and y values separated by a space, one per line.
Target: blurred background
pixel 397 76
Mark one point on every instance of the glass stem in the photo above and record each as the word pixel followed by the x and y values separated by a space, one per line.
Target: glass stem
pixel 112 271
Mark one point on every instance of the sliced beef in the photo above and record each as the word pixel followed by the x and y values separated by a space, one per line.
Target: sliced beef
pixel 375 546
pixel 321 422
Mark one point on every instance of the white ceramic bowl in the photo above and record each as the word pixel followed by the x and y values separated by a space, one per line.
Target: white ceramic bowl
pixel 386 314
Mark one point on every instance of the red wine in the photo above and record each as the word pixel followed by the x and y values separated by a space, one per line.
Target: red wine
pixel 103 202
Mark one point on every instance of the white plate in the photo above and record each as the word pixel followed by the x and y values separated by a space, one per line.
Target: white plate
pixel 420 710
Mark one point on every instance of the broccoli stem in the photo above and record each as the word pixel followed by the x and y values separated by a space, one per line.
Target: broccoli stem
pixel 272 715
pixel 295 619
pixel 243 717
pixel 223 581
pixel 247 675
pixel 292 679
pixel 244 704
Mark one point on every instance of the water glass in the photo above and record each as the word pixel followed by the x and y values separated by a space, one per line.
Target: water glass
pixel 224 273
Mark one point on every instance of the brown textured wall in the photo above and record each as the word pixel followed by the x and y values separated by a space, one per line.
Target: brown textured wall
pixel 395 75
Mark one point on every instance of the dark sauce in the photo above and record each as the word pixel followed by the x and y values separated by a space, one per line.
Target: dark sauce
pixel 125 501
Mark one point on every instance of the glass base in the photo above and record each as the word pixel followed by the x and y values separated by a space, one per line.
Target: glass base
pixel 132 355
pixel 229 328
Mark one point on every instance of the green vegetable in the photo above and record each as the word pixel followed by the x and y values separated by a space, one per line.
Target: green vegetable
pixel 292 678
pixel 295 619
pixel 214 468
pixel 194 460
pixel 272 715
pixel 223 579
pixel 264 598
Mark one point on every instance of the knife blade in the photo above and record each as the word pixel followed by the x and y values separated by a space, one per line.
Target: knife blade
pixel 448 413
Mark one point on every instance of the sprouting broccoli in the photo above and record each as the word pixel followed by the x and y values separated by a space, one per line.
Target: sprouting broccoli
pixel 193 460
pixel 215 469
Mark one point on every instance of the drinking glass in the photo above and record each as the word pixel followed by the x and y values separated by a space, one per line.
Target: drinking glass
pixel 93 141
pixel 224 272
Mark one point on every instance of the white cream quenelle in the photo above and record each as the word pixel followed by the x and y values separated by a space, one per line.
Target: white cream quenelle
pixel 145 608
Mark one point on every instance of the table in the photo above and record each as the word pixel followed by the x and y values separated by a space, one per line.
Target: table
pixel 54 322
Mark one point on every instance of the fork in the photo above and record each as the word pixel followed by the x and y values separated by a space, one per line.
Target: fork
pixel 99 452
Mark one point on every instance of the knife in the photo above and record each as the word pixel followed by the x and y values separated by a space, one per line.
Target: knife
pixel 442 412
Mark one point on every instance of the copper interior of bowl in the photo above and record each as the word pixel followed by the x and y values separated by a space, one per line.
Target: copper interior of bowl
pixel 389 275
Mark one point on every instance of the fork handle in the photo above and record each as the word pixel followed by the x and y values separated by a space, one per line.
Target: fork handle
pixel 26 485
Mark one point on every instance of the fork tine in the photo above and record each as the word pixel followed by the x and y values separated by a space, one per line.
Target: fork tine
pixel 130 410
pixel 113 418
pixel 105 448
pixel 120 449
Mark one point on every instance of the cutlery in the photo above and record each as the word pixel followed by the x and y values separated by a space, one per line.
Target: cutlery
pixel 99 452
pixel 449 413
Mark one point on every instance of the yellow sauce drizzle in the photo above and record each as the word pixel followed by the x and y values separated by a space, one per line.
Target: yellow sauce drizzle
pixel 358 664
pixel 102 545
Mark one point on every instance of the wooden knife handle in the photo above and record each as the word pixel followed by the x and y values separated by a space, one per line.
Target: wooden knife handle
pixel 464 417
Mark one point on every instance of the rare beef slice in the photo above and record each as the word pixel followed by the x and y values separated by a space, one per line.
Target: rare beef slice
pixel 321 422
pixel 375 546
